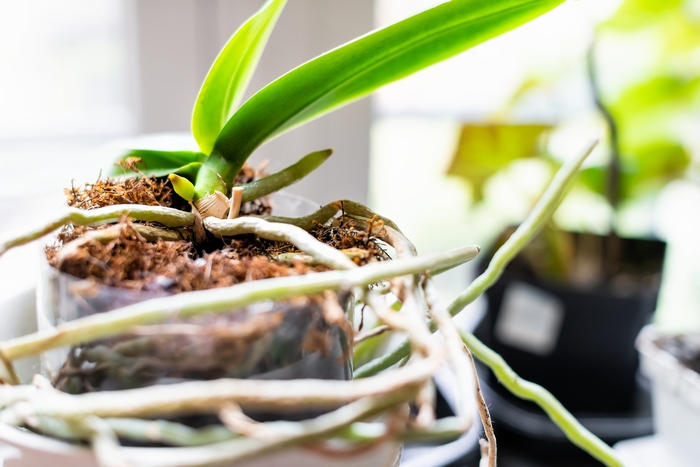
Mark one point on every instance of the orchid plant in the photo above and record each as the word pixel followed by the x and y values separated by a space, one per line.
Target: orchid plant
pixel 227 133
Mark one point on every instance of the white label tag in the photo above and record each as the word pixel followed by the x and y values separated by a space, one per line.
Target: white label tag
pixel 530 319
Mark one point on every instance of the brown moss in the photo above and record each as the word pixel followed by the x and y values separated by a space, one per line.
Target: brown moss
pixel 152 191
pixel 148 191
pixel 131 262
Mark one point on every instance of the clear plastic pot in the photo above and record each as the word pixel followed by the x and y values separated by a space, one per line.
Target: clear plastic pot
pixel 271 340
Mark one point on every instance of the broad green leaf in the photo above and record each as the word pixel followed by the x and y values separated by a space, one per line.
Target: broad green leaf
pixel 635 14
pixel 679 32
pixel 653 165
pixel 356 69
pixel 646 169
pixel 484 150
pixel 188 171
pixel 230 74
pixel 162 163
pixel 658 91
pixel 594 178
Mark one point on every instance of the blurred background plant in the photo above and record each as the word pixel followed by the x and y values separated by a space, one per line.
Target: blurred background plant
pixel 643 71
pixel 629 69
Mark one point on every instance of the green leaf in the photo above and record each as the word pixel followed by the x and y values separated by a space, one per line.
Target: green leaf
pixel 594 178
pixel 652 166
pixel 162 163
pixel 188 171
pixel 285 177
pixel 636 14
pixel 484 150
pixel 182 187
pixel 358 68
pixel 647 169
pixel 230 74
pixel 664 90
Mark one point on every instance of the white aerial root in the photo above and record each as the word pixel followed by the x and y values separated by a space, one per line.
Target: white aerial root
pixel 234 206
pixel 322 253
pixel 168 217
pixel 208 396
pixel 101 416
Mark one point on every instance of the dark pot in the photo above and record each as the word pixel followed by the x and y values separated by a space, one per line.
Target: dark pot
pixel 578 342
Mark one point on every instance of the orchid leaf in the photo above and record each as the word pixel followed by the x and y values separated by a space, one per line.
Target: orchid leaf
pixel 358 68
pixel 163 163
pixel 188 171
pixel 228 78
pixel 285 177
pixel 182 187
pixel 486 149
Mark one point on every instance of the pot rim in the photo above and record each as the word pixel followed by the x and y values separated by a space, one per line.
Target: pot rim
pixel 665 369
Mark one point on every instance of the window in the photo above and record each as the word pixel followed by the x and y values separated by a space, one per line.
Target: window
pixel 417 121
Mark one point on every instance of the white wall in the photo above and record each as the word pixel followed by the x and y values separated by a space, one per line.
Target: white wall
pixel 175 41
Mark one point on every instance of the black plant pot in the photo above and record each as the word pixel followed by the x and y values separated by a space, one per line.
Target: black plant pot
pixel 578 342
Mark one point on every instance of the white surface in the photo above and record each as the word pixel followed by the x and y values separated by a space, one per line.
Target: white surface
pixel 648 451
pixel 675 401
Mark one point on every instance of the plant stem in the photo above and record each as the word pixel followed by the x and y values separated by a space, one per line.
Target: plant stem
pixel 612 191
pixel 458 359
pixel 321 252
pixel 483 413
pixel 238 448
pixel 297 433
pixel 105 443
pixel 209 396
pixel 527 390
pixel 162 431
pixel 405 248
pixel 538 217
pixel 534 222
pixel 612 188
pixel 176 434
pixel 325 213
pixel 285 177
pixel 379 330
pixel 360 211
pixel 542 211
pixel 442 429
pixel 167 216
pixel 320 216
pixel 221 300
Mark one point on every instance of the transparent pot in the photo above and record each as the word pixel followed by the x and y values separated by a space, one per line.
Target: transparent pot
pixel 270 340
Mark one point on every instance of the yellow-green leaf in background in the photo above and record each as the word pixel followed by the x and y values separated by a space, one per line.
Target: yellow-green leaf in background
pixel 485 149
pixel 635 14
pixel 648 169
pixel 660 90
pixel 652 166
